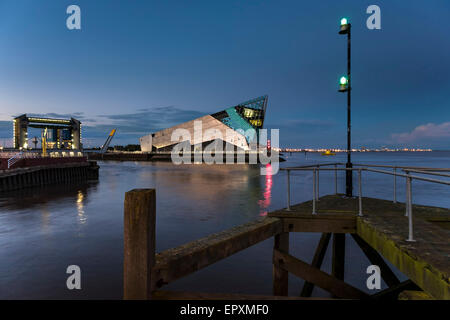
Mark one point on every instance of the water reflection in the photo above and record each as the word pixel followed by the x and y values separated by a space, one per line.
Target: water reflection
pixel 267 194
pixel 80 207
pixel 45 218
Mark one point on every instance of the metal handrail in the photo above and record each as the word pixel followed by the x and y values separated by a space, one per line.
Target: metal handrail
pixel 400 167
pixel 317 168
pixel 430 173
pixel 14 159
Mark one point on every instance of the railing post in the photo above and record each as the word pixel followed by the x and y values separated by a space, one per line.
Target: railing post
pixel 317 187
pixel 335 180
pixel 139 243
pixel 314 192
pixel 395 184
pixel 360 193
pixel 407 195
pixel 288 190
pixel 410 221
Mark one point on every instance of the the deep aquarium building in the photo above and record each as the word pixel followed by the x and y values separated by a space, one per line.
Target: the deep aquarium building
pixel 234 123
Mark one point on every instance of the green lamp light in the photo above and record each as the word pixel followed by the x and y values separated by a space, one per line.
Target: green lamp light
pixel 343 84
pixel 345 26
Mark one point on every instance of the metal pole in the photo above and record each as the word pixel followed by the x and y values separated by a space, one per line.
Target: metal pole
pixel 314 191
pixel 288 191
pixel 407 196
pixel 349 173
pixel 335 180
pixel 360 193
pixel 395 184
pixel 317 188
pixel 410 221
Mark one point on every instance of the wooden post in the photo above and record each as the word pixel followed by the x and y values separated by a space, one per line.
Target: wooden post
pixel 139 243
pixel 280 276
pixel 338 263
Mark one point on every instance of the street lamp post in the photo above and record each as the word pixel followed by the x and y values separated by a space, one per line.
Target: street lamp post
pixel 345 86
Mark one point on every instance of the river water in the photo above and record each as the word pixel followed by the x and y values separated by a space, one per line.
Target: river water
pixel 42 231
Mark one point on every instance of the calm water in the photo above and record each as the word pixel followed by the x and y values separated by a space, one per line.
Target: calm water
pixel 42 231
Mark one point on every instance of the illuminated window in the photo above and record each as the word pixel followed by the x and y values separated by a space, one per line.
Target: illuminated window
pixel 256 123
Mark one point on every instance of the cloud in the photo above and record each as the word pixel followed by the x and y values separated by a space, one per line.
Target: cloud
pixel 76 115
pixel 131 126
pixel 149 120
pixel 429 131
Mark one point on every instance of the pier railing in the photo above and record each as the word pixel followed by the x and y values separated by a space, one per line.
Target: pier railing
pixel 316 168
pixel 14 159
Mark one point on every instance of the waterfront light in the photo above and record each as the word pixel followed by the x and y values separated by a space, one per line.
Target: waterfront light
pixel 345 26
pixel 343 84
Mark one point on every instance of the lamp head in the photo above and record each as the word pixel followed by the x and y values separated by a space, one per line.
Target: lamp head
pixel 343 84
pixel 345 26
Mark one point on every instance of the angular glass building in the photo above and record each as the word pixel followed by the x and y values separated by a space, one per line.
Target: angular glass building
pixel 238 126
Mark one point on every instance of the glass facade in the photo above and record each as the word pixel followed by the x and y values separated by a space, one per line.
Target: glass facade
pixel 245 116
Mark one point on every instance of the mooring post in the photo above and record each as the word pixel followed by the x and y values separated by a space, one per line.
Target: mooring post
pixel 280 276
pixel 139 243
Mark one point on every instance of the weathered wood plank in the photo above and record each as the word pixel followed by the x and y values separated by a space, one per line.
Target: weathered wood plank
pixel 180 295
pixel 139 243
pixel 178 262
pixel 375 258
pixel 317 262
pixel 321 279
pixel 323 225
pixel 414 295
pixel 281 276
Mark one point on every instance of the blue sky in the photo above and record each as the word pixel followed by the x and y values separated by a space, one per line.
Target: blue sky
pixel 144 65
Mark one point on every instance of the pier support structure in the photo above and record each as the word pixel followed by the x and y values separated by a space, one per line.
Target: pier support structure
pixel 145 272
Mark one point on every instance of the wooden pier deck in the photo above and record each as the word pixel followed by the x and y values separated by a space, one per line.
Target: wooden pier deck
pixel 380 233
pixel 384 227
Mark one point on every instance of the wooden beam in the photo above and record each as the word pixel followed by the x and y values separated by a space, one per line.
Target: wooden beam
pixel 281 276
pixel 376 259
pixel 317 262
pixel 180 295
pixel 393 292
pixel 178 262
pixel 324 225
pixel 321 279
pixel 139 243
pixel 338 260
